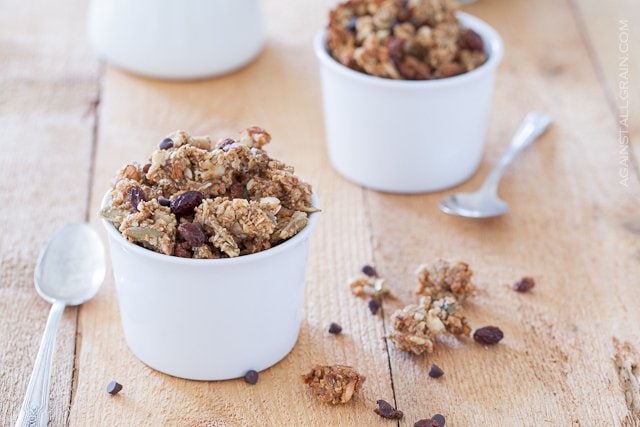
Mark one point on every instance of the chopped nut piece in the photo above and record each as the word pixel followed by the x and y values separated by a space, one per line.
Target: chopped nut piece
pixel 333 384
pixel 154 227
pixel 369 287
pixel 443 279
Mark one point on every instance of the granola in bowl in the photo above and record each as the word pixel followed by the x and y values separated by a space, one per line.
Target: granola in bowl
pixel 403 39
pixel 196 199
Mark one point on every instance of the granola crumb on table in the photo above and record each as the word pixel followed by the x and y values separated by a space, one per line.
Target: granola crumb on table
pixel 445 279
pixel 403 39
pixel 197 199
pixel 442 287
pixel 333 384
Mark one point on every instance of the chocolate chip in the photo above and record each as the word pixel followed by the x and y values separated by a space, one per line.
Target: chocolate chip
pixel 192 233
pixel 351 24
pixel 435 371
pixel 374 305
pixel 163 201
pixel 185 203
pixel 114 388
pixel 385 410
pixel 136 195
pixel 165 144
pixel 439 419
pixel 524 285
pixel 369 271
pixel 146 168
pixel 251 377
pixel 488 335
pixel 472 41
pixel 334 328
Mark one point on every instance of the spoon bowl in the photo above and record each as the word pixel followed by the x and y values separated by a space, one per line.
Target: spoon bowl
pixel 473 205
pixel 69 272
pixel 72 267
pixel 485 203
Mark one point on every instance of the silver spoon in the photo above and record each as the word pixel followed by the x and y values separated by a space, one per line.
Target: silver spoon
pixel 70 271
pixel 485 203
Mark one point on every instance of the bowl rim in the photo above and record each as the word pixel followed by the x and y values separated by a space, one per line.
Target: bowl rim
pixel 117 237
pixel 489 35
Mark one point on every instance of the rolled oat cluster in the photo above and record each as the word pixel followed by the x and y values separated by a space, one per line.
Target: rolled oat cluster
pixel 403 39
pixel 195 199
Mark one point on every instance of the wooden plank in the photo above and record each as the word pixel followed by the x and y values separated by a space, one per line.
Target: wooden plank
pixel 48 84
pixel 610 29
pixel 279 92
pixel 570 225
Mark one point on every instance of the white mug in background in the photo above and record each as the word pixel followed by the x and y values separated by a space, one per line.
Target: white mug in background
pixel 408 136
pixel 176 39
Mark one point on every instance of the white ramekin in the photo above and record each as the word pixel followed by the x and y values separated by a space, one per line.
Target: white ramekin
pixel 210 319
pixel 405 136
pixel 172 39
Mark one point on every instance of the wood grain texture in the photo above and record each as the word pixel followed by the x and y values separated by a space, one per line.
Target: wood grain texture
pixel 612 34
pixel 48 84
pixel 566 227
pixel 571 347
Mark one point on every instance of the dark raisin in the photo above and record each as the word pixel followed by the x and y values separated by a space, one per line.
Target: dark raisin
pixel 183 250
pixel 114 388
pixel 146 168
pixel 185 203
pixel 251 377
pixel 165 144
pixel 385 410
pixel 334 328
pixel 436 421
pixel 488 335
pixel 472 41
pixel 192 233
pixel 136 195
pixel 395 46
pixel 374 305
pixel 163 201
pixel 439 419
pixel 369 271
pixel 351 24
pixel 435 371
pixel 524 285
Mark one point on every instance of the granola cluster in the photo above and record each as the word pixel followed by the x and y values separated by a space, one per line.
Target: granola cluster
pixel 333 384
pixel 196 199
pixel 442 288
pixel 403 39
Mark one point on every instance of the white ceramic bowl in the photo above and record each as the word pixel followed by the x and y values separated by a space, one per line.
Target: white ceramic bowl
pixel 210 319
pixel 405 136
pixel 173 39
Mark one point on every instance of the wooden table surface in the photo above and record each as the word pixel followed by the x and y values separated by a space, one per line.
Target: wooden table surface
pixel 571 353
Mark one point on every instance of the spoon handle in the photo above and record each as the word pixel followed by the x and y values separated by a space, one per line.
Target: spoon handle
pixel 35 407
pixel 533 125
